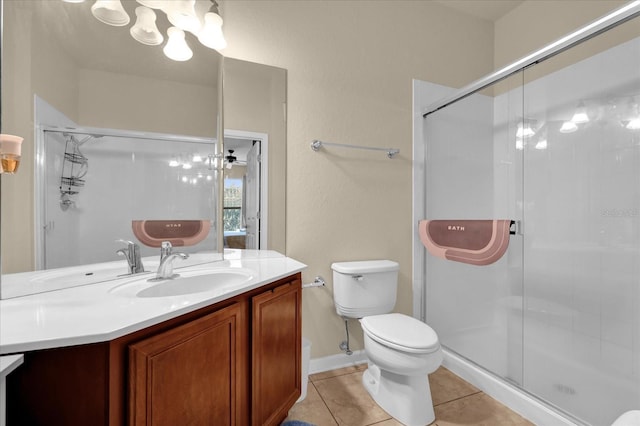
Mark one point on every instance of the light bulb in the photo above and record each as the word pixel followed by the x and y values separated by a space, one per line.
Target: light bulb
pixel 519 144
pixel 173 163
pixel 211 33
pixel 568 127
pixel 153 4
pixel 580 116
pixel 185 179
pixel 110 12
pixel 145 30
pixel 187 166
pixel 196 158
pixel 176 47
pixel 634 124
pixel 542 144
pixel 524 131
pixel 181 13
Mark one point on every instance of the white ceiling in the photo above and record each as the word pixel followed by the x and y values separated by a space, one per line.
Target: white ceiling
pixel 491 10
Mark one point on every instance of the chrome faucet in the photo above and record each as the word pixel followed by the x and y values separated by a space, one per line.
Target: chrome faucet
pixel 165 269
pixel 132 254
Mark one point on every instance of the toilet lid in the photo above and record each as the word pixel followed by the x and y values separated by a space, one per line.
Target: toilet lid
pixel 401 332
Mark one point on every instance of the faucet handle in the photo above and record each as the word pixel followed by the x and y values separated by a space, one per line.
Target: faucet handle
pixel 132 254
pixel 127 242
pixel 165 249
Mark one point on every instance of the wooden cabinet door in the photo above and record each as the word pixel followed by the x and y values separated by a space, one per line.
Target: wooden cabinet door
pixel 276 348
pixel 191 374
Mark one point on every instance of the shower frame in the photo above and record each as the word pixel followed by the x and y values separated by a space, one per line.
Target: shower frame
pixel 514 396
pixel 607 22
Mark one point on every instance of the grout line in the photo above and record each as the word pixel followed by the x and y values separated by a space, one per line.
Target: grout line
pixel 459 398
pixel 337 375
pixel 325 404
pixel 381 421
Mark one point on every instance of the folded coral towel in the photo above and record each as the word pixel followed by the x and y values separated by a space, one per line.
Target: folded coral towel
pixel 477 242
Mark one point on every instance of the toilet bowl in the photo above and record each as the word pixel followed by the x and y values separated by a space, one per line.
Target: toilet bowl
pixel 401 350
pixel 630 418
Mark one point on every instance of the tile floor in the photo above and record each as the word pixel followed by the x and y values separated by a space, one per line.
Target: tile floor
pixel 337 398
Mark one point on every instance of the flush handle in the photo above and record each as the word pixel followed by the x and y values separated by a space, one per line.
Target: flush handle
pixel 357 277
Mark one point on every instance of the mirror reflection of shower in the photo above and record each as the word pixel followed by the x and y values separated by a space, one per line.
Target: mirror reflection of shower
pixel 96 182
pixel 74 168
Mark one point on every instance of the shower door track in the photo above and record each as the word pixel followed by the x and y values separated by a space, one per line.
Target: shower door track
pixel 615 18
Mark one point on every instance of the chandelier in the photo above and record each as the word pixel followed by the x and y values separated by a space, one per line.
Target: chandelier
pixel 198 17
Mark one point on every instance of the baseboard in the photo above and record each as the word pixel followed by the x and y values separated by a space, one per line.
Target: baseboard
pixel 509 395
pixel 332 362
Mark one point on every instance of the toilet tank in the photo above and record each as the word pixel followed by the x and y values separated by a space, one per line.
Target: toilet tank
pixel 365 287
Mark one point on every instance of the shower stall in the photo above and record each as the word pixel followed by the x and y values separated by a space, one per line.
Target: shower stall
pixel 552 144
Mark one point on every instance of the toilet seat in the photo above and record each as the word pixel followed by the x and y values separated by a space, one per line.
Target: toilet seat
pixel 401 332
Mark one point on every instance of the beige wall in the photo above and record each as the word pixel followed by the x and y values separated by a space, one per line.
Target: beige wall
pixel 536 23
pixel 128 102
pixel 349 67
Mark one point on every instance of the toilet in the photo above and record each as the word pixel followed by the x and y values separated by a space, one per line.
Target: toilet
pixel 401 350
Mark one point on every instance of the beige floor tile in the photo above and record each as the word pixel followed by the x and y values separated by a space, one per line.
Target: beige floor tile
pixel 338 372
pixel 478 410
pixel 312 409
pixel 349 402
pixel 390 422
pixel 446 386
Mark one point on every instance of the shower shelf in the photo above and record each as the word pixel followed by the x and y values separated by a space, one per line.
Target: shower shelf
pixel 75 158
pixel 74 168
pixel 71 181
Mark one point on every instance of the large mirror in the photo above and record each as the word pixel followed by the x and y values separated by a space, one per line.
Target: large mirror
pixel 255 134
pixel 73 83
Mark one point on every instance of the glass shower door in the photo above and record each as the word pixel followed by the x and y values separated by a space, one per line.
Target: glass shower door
pixel 582 230
pixel 473 172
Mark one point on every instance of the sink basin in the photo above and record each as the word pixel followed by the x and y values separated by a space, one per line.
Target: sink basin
pixel 220 280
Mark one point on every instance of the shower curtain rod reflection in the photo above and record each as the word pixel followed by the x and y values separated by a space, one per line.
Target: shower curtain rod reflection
pixel 132 134
pixel 317 144
pixel 615 18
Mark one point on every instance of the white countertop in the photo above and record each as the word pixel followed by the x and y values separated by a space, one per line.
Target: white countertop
pixel 91 313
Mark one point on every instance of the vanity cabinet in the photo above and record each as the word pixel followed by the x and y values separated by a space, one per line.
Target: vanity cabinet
pixel 276 343
pixel 187 375
pixel 236 362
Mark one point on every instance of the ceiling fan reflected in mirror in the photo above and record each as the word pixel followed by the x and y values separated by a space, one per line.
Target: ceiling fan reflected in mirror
pixel 231 159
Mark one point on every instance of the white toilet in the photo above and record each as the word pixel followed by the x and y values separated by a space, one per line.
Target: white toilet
pixel 401 350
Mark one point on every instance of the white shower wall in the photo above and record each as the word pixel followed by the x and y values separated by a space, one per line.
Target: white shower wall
pixel 127 179
pixel 559 314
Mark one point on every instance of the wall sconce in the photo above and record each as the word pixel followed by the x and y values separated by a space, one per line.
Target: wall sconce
pixel 10 152
pixel 177 47
pixel 199 17
pixel 568 127
pixel 110 12
pixel 525 128
pixel 634 121
pixel 580 116
pixel 145 30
